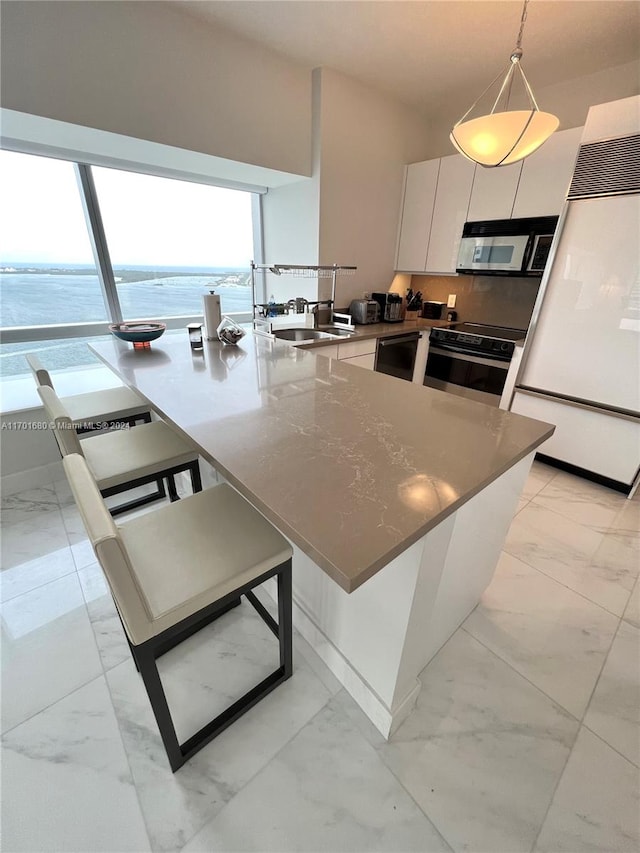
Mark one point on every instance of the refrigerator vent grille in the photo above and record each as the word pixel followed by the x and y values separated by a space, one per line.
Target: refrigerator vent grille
pixel 610 167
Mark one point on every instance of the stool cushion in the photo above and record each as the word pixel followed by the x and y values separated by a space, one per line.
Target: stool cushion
pixel 169 564
pixel 189 554
pixel 109 404
pixel 123 455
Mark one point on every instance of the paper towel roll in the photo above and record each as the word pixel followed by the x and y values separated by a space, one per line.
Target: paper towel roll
pixel 212 315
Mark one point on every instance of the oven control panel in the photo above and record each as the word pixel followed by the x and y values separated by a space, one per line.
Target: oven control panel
pixel 467 342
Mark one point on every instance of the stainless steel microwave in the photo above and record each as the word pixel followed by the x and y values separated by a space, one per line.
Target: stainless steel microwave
pixel 506 246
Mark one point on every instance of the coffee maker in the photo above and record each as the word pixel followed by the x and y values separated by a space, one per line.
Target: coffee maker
pixel 390 306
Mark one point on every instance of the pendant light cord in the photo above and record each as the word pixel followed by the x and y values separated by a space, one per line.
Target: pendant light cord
pixel 522 20
pixel 516 55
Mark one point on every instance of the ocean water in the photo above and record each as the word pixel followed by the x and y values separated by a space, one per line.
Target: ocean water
pixel 45 297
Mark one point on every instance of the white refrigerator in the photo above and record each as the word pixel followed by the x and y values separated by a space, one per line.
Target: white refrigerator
pixel 581 364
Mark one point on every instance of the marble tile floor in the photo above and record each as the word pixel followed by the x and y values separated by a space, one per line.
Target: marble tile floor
pixel 525 737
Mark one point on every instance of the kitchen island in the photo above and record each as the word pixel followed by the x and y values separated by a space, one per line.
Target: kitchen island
pixel 396 497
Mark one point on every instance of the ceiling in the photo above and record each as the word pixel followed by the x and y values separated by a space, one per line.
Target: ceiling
pixel 432 54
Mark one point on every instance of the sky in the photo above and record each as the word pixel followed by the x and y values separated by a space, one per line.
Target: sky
pixel 148 220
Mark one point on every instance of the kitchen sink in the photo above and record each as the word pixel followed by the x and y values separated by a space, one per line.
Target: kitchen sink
pixel 337 331
pixel 301 335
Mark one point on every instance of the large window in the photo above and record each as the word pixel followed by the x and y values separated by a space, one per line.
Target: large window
pixel 47 274
pixel 171 241
pixel 168 242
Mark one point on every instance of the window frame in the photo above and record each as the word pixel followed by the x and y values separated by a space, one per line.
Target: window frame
pixel 104 268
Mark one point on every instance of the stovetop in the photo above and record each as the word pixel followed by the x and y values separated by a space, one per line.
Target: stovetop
pixel 498 333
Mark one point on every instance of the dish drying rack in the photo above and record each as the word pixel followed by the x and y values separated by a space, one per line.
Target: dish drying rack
pixel 305 312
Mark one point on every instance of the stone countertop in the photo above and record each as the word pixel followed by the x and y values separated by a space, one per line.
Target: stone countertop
pixel 353 466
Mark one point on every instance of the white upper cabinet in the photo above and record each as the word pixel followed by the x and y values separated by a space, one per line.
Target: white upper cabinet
pixel 449 213
pixel 441 195
pixel 417 214
pixel 546 175
pixel 494 191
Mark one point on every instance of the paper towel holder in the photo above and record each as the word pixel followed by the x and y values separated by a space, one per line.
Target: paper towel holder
pixel 212 314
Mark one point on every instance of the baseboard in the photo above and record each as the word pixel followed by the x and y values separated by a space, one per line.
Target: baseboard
pixel 385 719
pixel 33 478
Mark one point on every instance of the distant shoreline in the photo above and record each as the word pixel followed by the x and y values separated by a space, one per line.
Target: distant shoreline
pixel 129 275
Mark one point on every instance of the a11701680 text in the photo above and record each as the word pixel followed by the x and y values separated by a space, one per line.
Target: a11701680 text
pixel 44 425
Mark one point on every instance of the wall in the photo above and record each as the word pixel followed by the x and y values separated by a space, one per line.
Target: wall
pixel 499 300
pixel 365 140
pixel 149 71
pixel 570 101
pixel 291 222
pixel 348 212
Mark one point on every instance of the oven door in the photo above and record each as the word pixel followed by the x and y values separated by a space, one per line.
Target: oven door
pixel 474 376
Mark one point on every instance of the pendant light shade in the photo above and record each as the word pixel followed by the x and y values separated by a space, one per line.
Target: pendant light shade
pixel 498 139
pixel 504 136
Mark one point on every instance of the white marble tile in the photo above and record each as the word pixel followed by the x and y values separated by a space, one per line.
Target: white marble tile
pixel 64 493
pixel 27 540
pixel 554 637
pixel 632 612
pixel 82 553
pixel 597 565
pixel 482 751
pixel 24 577
pixel 28 504
pixel 593 505
pixel 596 808
pixel 302 650
pixel 540 475
pixel 66 782
pixel 327 790
pixel 105 622
pixel 614 710
pixel 73 523
pixel 48 648
pixel 177 805
pixel 234 653
pixel 522 503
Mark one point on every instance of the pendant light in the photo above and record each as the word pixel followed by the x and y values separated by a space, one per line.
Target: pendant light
pixel 504 136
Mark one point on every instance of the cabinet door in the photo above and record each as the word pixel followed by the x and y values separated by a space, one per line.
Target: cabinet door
pixel 494 191
pixel 367 361
pixel 546 175
pixel 328 351
pixel 351 349
pixel 455 180
pixel 417 213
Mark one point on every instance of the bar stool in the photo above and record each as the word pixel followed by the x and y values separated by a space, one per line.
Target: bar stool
pixel 109 407
pixel 127 458
pixel 173 571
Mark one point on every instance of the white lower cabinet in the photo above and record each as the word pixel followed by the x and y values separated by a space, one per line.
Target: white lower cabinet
pixel 367 361
pixel 329 351
pixel 360 353
pixel 351 349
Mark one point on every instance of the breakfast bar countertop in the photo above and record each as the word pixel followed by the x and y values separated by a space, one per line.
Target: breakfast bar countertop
pixel 353 466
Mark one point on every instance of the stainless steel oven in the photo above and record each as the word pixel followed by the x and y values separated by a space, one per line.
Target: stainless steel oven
pixel 471 360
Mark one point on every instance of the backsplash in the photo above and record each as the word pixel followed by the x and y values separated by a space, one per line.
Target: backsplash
pixel 498 300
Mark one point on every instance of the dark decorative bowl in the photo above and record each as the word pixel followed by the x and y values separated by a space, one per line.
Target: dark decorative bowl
pixel 138 334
